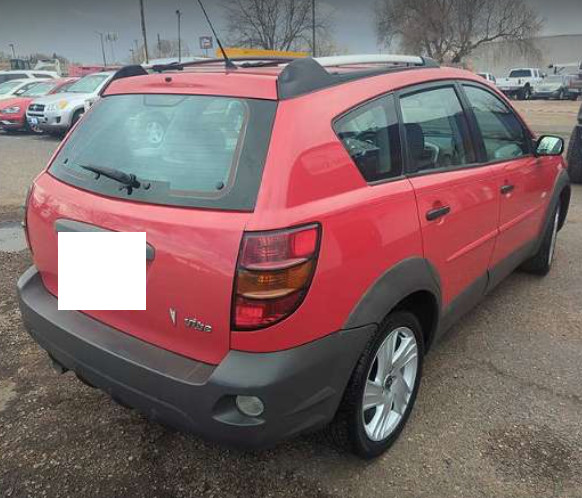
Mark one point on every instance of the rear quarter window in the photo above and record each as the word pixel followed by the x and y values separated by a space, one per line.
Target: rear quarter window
pixel 370 135
pixel 199 151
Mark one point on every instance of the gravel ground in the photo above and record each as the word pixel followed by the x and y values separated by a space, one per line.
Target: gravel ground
pixel 498 414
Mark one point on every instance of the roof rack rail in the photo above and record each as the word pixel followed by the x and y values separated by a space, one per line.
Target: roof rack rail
pixel 375 59
pixel 244 62
pixel 307 75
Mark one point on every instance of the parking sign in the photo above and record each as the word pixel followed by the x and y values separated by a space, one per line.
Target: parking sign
pixel 206 42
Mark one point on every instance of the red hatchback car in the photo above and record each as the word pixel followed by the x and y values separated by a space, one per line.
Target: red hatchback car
pixel 313 226
pixel 13 111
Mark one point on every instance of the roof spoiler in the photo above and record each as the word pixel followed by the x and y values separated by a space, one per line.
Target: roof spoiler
pixel 124 72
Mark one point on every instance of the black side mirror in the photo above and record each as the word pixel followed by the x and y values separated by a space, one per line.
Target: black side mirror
pixel 549 145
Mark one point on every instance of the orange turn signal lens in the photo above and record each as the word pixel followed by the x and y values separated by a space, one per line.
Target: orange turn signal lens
pixel 273 283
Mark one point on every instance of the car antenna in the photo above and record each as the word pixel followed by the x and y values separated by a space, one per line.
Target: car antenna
pixel 227 62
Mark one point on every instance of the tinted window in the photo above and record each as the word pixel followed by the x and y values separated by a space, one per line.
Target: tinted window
pixel 12 76
pixel 371 137
pixel 42 75
pixel 193 150
pixel 520 73
pixel 503 135
pixel 436 130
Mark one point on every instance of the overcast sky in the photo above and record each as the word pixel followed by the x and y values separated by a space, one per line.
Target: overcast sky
pixel 68 26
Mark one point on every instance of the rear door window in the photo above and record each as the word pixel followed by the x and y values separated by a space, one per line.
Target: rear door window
pixel 200 151
pixel 436 130
pixel 504 137
pixel 370 135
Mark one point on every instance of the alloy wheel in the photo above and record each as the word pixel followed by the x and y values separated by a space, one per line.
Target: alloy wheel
pixel 390 383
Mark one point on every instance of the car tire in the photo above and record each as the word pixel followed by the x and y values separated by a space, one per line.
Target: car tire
pixel 353 427
pixel 76 117
pixel 541 262
pixel 574 155
pixel 524 93
pixel 574 97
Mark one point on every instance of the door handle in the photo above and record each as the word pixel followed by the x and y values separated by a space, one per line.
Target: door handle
pixel 433 214
pixel 505 189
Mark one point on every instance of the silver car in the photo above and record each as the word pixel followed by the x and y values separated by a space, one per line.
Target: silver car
pixel 57 113
pixel 556 86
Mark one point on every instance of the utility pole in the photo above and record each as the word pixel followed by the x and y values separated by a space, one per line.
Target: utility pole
pixel 13 51
pixel 143 32
pixel 179 14
pixel 102 48
pixel 313 27
pixel 159 46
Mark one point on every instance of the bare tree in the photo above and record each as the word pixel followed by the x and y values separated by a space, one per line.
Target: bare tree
pixel 272 24
pixel 169 48
pixel 449 30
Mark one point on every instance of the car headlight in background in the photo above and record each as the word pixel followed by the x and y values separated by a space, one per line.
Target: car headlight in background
pixel 10 110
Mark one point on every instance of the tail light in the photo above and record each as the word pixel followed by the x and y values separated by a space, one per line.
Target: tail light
pixel 24 221
pixel 273 275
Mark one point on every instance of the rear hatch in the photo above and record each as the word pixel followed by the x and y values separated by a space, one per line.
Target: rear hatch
pixel 199 161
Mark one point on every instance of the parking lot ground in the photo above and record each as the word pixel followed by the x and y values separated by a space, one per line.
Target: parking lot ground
pixel 499 412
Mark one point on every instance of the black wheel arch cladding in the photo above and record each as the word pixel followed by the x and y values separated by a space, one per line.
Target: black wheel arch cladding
pixel 406 278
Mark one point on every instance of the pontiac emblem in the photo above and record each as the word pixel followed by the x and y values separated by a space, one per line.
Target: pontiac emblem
pixel 173 316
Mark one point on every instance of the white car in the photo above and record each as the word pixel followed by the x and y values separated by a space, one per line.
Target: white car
pixel 520 82
pixel 23 75
pixel 57 113
pixel 13 88
pixel 488 76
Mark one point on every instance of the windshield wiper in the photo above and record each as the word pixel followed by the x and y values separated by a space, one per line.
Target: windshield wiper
pixel 129 180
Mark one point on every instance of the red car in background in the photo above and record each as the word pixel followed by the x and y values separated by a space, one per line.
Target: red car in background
pixel 13 111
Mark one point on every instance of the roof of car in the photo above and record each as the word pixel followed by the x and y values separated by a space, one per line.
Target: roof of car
pixel 271 82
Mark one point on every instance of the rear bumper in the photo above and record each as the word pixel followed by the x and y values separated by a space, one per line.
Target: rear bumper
pixel 300 388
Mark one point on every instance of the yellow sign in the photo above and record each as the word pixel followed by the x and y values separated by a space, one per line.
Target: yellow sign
pixel 258 52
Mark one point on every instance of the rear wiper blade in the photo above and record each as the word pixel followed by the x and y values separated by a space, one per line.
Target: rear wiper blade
pixel 129 180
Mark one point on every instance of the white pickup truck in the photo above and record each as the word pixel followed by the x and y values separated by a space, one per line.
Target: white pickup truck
pixel 520 82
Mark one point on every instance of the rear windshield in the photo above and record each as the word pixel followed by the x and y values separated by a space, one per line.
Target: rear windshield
pixel 520 73
pixel 200 151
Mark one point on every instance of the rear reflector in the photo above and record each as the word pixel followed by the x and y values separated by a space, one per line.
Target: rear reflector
pixel 274 272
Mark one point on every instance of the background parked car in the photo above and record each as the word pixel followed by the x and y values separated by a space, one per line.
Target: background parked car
pixel 57 113
pixel 555 86
pixel 489 77
pixel 22 75
pixel 520 82
pixel 14 88
pixel 13 111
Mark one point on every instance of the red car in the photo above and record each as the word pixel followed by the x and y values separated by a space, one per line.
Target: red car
pixel 13 111
pixel 313 227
